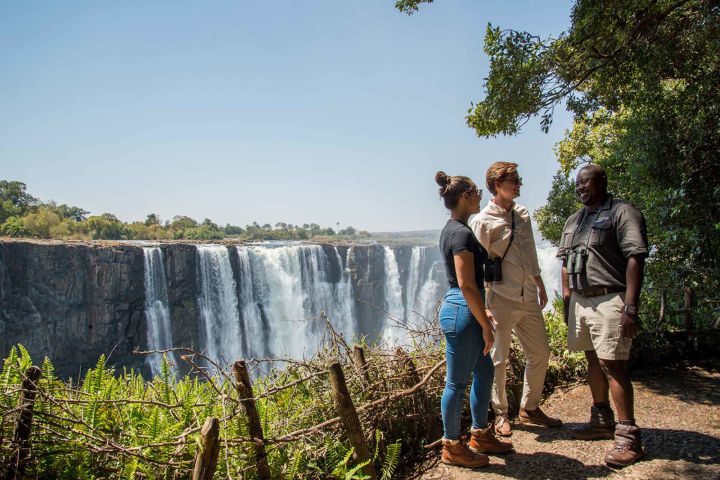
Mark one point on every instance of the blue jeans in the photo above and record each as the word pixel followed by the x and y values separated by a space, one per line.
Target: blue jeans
pixel 463 351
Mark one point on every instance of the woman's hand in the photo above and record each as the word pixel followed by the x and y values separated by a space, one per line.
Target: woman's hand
pixel 489 339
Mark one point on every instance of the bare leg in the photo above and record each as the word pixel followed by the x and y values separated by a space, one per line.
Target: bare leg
pixel 621 388
pixel 597 378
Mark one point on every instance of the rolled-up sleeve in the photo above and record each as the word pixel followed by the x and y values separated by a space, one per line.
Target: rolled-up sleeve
pixel 631 231
pixel 562 247
pixel 481 229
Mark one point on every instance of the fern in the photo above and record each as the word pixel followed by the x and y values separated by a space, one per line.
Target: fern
pixel 378 442
pixel 25 361
pixel 343 470
pixel 154 425
pixel 165 371
pixel 392 459
pixel 8 367
pixel 294 465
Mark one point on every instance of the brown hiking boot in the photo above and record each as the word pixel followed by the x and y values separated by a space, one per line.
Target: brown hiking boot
pixel 502 425
pixel 483 441
pixel 456 452
pixel 601 425
pixel 537 417
pixel 628 446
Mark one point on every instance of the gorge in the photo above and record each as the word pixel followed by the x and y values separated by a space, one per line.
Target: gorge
pixel 73 301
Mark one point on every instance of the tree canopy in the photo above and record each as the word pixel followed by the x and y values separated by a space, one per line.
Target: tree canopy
pixel 22 215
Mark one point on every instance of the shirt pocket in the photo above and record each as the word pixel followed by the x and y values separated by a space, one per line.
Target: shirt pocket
pixel 600 231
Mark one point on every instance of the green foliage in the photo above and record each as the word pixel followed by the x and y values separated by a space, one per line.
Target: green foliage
pixel 14 199
pixel 106 227
pixel 392 460
pixel 14 227
pixel 561 203
pixel 22 215
pixel 86 430
pixel 345 470
pixel 410 6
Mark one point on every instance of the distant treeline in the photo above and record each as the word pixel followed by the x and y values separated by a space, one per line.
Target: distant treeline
pixel 22 215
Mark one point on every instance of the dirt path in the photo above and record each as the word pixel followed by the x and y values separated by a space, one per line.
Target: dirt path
pixel 679 412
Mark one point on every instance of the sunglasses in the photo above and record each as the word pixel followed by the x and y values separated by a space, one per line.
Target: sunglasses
pixel 516 181
pixel 475 190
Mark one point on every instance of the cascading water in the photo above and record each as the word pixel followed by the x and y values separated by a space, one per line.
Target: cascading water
pixel 393 332
pixel 427 298
pixel 270 304
pixel 288 290
pixel 157 313
pixel 413 280
pixel 218 304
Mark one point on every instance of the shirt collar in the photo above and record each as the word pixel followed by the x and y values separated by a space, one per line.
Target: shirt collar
pixel 607 205
pixel 498 209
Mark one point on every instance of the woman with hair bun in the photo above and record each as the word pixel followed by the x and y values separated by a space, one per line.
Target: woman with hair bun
pixel 467 328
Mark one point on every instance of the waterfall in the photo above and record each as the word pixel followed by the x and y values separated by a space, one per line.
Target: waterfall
pixel 287 288
pixel 428 296
pixel 393 332
pixel 550 269
pixel 413 280
pixel 157 313
pixel 218 304
pixel 345 299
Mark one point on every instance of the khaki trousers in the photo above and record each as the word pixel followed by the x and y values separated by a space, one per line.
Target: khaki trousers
pixel 526 320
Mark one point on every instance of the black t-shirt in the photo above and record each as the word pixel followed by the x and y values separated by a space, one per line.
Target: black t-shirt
pixel 455 238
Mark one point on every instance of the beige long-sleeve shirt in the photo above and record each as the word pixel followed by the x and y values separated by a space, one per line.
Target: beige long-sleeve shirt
pixel 492 227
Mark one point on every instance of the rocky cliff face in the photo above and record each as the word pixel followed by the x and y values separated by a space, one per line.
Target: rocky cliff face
pixel 73 302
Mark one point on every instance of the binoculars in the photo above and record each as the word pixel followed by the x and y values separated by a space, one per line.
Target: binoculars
pixel 575 266
pixel 493 270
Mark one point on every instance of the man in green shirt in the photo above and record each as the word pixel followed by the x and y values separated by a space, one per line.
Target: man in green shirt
pixel 603 250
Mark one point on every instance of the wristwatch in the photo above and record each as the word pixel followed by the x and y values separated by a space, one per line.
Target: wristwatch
pixel 630 309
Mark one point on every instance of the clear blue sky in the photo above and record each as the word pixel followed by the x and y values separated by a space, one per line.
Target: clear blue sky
pixel 242 111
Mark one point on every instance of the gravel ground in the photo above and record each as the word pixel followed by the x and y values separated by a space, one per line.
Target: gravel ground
pixel 678 411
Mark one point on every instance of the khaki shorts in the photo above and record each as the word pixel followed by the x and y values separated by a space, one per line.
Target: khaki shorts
pixel 593 325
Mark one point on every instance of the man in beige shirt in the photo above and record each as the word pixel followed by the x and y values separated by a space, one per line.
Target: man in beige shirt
pixel 515 302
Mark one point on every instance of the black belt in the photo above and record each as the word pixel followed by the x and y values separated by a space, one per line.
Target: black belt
pixel 597 291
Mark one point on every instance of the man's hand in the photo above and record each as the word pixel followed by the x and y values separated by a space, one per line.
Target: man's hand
pixel 542 297
pixel 629 325
pixel 491 317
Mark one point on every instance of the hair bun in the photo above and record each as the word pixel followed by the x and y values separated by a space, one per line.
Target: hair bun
pixel 442 178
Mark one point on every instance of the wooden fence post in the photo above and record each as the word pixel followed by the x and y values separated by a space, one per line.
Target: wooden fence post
pixel 358 356
pixel 350 420
pixel 432 426
pixel 21 440
pixel 244 389
pixel 206 459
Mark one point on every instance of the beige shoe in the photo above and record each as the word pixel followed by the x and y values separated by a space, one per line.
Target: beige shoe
pixel 502 425
pixel 537 417
pixel 483 441
pixel 456 452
